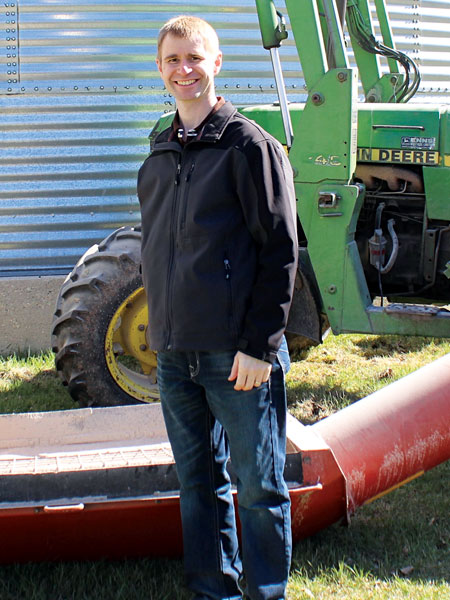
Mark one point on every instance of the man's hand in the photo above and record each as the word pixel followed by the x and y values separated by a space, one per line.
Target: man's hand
pixel 249 372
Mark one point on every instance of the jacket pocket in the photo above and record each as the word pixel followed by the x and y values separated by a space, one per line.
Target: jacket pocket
pixel 185 197
pixel 228 281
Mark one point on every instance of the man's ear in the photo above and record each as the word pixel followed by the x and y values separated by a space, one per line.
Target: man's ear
pixel 158 64
pixel 218 63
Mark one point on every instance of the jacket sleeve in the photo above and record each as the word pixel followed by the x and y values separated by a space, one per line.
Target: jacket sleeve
pixel 266 191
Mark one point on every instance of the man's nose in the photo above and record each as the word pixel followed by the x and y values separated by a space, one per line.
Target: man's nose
pixel 185 68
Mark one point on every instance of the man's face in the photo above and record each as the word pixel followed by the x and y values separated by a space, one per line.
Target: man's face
pixel 188 68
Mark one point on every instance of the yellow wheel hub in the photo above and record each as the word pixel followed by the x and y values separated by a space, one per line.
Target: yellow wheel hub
pixel 130 362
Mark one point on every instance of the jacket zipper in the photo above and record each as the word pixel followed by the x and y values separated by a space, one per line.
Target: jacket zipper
pixel 177 174
pixel 173 226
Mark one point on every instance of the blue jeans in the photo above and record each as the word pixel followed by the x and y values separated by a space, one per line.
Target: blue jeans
pixel 207 422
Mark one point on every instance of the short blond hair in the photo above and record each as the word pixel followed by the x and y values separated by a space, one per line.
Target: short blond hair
pixel 189 27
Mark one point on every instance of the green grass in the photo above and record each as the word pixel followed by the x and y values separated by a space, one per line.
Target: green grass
pixel 347 368
pixel 105 580
pixel 29 383
pixel 398 547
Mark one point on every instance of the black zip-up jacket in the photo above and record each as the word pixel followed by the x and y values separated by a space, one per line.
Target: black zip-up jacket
pixel 219 243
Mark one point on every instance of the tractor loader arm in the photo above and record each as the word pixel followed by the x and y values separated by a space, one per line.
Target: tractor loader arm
pixel 340 208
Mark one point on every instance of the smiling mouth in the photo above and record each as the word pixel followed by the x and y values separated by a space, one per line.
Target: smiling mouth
pixel 186 82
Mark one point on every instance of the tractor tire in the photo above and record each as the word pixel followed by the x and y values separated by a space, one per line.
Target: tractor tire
pixel 99 327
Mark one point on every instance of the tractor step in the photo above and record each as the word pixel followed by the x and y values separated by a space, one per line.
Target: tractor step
pixel 416 310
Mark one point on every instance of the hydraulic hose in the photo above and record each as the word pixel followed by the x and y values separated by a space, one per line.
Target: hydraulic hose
pixel 393 257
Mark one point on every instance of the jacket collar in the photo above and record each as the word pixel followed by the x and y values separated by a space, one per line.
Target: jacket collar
pixel 213 128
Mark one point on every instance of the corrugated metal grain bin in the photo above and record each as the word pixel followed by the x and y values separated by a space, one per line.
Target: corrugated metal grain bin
pixel 79 93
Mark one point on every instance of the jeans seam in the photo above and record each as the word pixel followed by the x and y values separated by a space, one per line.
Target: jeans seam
pixel 271 417
pixel 278 482
pixel 218 544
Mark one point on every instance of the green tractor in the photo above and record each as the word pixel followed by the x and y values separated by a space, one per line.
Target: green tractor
pixel 372 180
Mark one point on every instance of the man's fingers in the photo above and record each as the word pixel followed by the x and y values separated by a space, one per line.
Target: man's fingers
pixel 242 382
pixel 249 372
pixel 234 369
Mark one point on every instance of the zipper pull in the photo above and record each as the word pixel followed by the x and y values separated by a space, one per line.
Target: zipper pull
pixel 188 176
pixel 177 176
pixel 226 262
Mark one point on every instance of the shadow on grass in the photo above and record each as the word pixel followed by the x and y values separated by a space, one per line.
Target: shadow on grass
pixel 384 345
pixel 139 579
pixel 310 403
pixel 42 392
pixel 405 534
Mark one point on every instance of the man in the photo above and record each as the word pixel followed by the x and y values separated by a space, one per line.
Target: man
pixel 218 262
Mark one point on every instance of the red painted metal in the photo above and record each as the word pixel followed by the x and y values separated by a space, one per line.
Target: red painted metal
pixel 113 530
pixel 371 447
pixel 348 459
pixel 392 435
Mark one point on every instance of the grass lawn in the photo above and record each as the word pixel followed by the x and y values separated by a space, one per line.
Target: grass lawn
pixel 398 547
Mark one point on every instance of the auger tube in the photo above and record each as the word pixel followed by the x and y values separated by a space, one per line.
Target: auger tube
pixel 375 445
